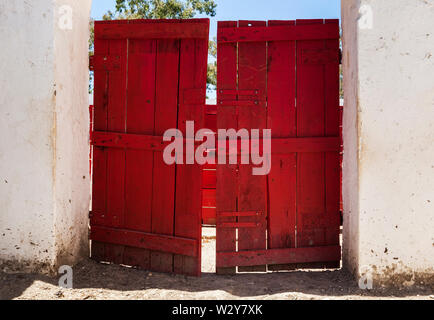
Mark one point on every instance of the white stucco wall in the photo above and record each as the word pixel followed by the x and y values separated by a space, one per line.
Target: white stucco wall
pixel 44 178
pixel 389 139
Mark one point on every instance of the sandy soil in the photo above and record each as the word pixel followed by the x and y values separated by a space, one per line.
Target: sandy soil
pixel 98 281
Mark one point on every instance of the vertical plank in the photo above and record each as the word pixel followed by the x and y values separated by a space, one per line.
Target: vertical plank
pixel 209 215
pixel 310 166
pixel 166 111
pixel 252 190
pixel 227 175
pixel 332 161
pixel 139 163
pixel 209 198
pixel 209 179
pixel 282 179
pixel 116 157
pixel 193 74
pixel 99 172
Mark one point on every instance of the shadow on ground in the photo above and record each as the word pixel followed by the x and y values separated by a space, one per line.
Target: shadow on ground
pixel 99 281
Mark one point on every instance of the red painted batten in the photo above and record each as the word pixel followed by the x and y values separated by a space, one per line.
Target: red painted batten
pixel 278 33
pixel 278 256
pixel 152 29
pixel 149 241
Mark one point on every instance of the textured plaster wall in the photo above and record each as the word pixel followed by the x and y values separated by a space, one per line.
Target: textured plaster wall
pixel 44 179
pixel 388 48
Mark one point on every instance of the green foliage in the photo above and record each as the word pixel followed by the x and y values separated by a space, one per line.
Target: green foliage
pixel 212 67
pixel 161 9
pixel 211 79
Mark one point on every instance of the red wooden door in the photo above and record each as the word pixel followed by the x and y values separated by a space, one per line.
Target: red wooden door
pixel 150 76
pixel 281 75
pixel 209 180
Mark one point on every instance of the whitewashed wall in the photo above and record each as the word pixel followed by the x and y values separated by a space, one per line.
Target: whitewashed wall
pixel 389 139
pixel 44 179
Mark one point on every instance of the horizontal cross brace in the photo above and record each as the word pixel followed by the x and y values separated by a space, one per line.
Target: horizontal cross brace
pixel 152 29
pixel 130 141
pixel 235 225
pixel 278 256
pixel 238 214
pixel 154 242
pixel 287 145
pixel 156 143
pixel 279 33
pixel 238 103
pixel 299 145
pixel 239 92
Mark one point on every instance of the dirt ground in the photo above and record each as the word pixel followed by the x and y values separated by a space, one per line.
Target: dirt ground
pixel 94 281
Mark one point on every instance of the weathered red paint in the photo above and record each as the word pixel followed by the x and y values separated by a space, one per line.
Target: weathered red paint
pixel 283 75
pixel 150 76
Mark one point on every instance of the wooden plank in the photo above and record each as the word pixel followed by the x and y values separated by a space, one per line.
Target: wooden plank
pixel 238 225
pixel 116 157
pixel 332 160
pixel 256 33
pixel 166 110
pixel 188 209
pixel 211 109
pixel 153 29
pixel 156 143
pixel 139 163
pixel 239 214
pixel 99 172
pixel 91 108
pixel 279 256
pixel 209 198
pixel 305 145
pixel 128 141
pixel 282 180
pixel 241 93
pixel 227 175
pixel 149 241
pixel 284 146
pixel 105 62
pixel 310 166
pixel 239 103
pixel 252 190
pixel 321 56
pixel 211 122
pixel 209 179
pixel 209 216
pixel 99 156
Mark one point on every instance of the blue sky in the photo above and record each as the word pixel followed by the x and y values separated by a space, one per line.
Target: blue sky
pixel 255 10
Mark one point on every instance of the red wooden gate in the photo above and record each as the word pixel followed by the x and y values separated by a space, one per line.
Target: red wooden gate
pixel 209 179
pixel 150 76
pixel 283 75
